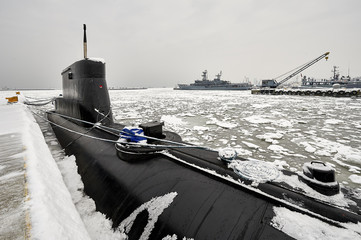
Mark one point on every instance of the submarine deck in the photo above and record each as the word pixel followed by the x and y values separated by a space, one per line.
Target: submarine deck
pixel 203 205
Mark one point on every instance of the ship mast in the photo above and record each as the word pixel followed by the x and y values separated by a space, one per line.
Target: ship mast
pixel 85 43
pixel 204 75
pixel 218 76
pixel 335 73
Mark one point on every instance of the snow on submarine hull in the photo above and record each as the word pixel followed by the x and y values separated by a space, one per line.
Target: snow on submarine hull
pixel 182 192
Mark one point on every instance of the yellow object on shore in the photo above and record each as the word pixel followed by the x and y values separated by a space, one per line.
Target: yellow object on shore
pixel 12 99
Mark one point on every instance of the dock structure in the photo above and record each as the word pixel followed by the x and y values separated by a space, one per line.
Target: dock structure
pixel 34 201
pixel 14 213
pixel 329 92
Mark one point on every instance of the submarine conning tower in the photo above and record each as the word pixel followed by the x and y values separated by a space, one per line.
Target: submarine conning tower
pixel 85 91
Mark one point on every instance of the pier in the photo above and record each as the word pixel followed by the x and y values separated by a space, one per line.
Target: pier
pixel 328 92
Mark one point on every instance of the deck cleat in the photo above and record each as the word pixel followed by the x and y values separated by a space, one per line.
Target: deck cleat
pixel 227 154
pixel 320 177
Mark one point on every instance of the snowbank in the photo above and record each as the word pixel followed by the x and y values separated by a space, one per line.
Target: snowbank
pixel 52 212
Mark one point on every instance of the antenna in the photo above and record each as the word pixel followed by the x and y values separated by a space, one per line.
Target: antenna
pixel 84 42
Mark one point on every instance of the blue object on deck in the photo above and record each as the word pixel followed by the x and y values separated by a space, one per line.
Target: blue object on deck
pixel 132 134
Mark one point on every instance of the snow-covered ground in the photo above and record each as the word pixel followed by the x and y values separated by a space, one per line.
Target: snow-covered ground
pixel 50 202
pixel 284 130
pixel 55 206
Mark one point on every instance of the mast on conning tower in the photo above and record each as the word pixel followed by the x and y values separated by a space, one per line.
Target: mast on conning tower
pixel 85 43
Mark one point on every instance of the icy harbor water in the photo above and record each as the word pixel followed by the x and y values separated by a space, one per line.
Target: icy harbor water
pixel 285 130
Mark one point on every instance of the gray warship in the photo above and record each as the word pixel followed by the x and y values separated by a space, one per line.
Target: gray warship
pixel 215 84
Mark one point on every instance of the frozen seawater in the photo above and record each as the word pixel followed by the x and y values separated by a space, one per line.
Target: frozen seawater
pixel 295 129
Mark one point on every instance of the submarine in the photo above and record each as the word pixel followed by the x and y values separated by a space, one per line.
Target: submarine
pixel 153 185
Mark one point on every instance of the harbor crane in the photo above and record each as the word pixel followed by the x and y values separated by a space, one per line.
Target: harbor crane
pixel 274 84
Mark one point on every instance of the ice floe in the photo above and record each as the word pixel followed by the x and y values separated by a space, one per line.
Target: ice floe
pixel 257 119
pixel 250 145
pixel 270 137
pixel 333 121
pixel 355 178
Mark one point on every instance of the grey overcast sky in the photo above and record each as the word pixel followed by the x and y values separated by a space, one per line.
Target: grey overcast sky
pixel 160 43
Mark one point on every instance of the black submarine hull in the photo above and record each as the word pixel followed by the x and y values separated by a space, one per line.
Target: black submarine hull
pixel 187 193
pixel 205 205
pixel 203 208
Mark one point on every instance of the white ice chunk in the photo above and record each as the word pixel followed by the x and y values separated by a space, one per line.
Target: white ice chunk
pixel 355 178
